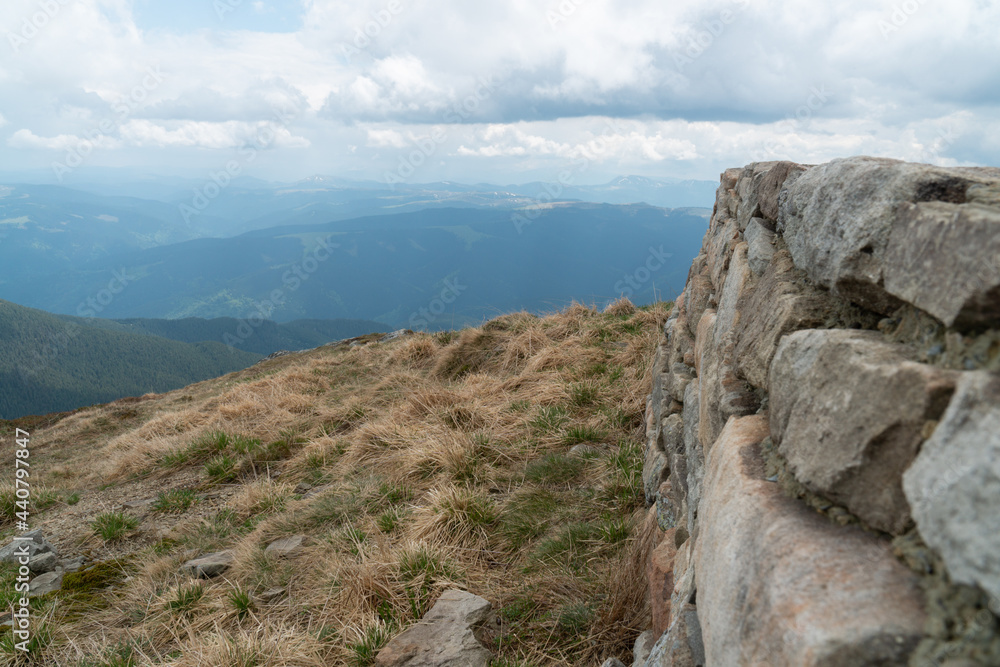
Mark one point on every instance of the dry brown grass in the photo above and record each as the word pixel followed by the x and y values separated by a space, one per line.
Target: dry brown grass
pixel 434 461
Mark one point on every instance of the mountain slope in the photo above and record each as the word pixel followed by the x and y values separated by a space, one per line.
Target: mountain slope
pixel 49 364
pixel 406 468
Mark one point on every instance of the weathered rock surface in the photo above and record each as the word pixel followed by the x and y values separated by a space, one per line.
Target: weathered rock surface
pixel 723 393
pixel 837 219
pixel 770 185
pixel 612 662
pixel 209 565
pixel 671 438
pixel 693 455
pixel 443 638
pixel 681 645
pixel 654 473
pixel 42 556
pixel 286 547
pixel 843 268
pixel 779 304
pixel 642 648
pixel 848 411
pixel 945 259
pixel 698 297
pixel 43 584
pixel 954 485
pixel 660 574
pixel 778 584
pixel 760 245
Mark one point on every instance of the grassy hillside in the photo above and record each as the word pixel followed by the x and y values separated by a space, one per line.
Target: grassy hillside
pixel 426 462
pixel 48 364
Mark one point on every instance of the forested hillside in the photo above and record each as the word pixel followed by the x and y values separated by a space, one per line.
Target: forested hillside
pixel 48 364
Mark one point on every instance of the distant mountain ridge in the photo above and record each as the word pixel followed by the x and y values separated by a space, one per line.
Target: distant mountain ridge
pixel 427 269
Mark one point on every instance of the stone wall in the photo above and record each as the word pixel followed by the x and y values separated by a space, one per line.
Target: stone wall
pixel 823 452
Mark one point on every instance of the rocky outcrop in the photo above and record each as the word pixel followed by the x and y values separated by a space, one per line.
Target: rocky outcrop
pixel 822 432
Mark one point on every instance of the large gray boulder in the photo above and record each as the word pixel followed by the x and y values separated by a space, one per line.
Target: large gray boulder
pixel 945 259
pixel 848 411
pixel 837 219
pixel 42 556
pixel 43 584
pixel 443 637
pixel 954 485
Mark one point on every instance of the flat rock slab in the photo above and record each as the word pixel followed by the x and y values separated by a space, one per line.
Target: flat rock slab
pixel 286 547
pixel 848 412
pixel 43 584
pixel 945 259
pixel 954 485
pixel 779 584
pixel 270 595
pixel 443 638
pixel 209 565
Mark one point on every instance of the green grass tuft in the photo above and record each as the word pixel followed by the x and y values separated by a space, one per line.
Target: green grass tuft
pixel 113 526
pixel 175 500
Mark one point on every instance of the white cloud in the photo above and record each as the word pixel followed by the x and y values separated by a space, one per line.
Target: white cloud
pixel 379 138
pixel 191 134
pixel 703 84
pixel 26 139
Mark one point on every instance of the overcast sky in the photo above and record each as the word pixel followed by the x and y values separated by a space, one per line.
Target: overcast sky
pixel 505 91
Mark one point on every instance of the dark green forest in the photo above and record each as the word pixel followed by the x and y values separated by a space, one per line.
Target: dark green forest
pixel 49 364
